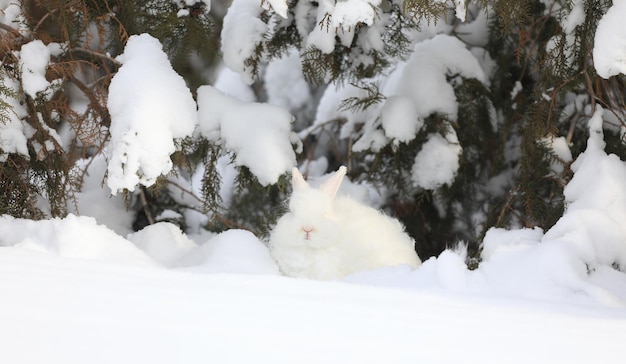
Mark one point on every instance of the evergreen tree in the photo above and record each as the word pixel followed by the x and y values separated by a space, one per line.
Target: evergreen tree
pixel 464 115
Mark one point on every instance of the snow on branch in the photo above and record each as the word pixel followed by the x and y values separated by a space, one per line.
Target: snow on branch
pixel 259 134
pixel 242 38
pixel 609 52
pixel 341 19
pixel 150 107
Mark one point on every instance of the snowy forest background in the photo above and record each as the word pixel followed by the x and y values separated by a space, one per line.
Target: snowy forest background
pixel 145 152
pixel 453 116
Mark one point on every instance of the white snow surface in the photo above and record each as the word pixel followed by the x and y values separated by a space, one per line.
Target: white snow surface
pixel 609 50
pixel 74 292
pixel 150 107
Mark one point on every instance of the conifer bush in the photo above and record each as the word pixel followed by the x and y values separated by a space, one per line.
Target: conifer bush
pixel 463 115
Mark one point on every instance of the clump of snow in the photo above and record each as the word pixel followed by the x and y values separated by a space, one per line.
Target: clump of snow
pixel 339 20
pixel 609 50
pixel 230 83
pixel 575 18
pixel 259 134
pixel 11 15
pixel 164 242
pixel 242 32
pixel 560 148
pixel 279 6
pixel 233 251
pixel 12 129
pixel 285 84
pixel 34 58
pixel 150 107
pixel 400 119
pixel 72 237
pixel 460 10
pixel 423 78
pixel 437 162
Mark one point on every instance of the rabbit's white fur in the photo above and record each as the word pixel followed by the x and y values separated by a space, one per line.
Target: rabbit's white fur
pixel 328 237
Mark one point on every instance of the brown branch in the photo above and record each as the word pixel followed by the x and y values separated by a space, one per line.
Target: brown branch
pixel 97 55
pixel 146 208
pixel 215 214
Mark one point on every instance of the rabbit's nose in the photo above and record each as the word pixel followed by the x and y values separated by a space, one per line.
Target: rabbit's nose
pixel 307 232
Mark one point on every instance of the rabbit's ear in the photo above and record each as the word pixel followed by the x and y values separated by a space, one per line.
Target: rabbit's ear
pixel 331 185
pixel 297 181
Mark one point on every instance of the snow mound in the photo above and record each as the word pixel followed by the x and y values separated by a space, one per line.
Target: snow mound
pixel 233 251
pixel 72 237
pixel 164 242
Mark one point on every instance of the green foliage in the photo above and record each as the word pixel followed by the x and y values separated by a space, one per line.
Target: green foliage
pixel 542 85
pixel 428 10
pixel 319 68
pixel 45 182
pixel 358 104
pixel 253 207
pixel 181 36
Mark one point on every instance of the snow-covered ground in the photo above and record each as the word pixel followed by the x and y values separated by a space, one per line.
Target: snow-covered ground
pixel 62 310
pixel 74 292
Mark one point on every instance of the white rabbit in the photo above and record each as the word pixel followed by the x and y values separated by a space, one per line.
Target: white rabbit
pixel 328 237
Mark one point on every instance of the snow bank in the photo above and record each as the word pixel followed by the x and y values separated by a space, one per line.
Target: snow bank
pixel 72 237
pixel 56 311
pixel 164 242
pixel 150 107
pixel 233 251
